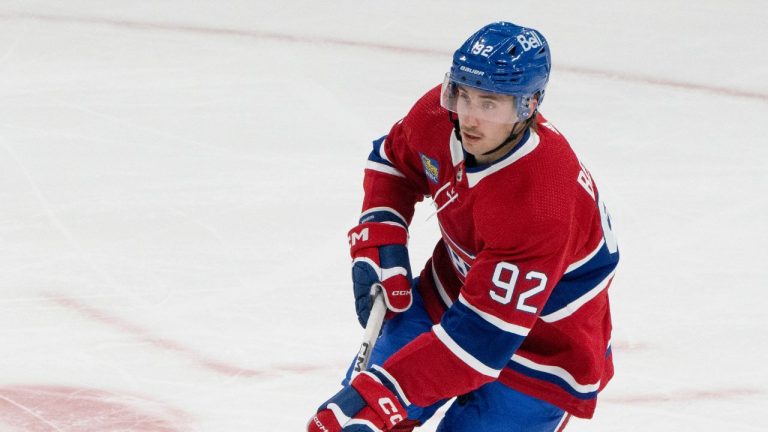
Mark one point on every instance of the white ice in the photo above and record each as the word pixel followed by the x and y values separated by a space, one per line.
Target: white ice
pixel 177 179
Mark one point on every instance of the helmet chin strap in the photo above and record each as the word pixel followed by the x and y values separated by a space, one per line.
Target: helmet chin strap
pixel 513 135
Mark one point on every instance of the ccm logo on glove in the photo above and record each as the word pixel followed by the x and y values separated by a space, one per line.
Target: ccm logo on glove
pixel 368 403
pixel 320 425
pixel 389 407
pixel 361 236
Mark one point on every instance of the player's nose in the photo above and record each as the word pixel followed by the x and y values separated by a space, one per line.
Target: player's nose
pixel 469 120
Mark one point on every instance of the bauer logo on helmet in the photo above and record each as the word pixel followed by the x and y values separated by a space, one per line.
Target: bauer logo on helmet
pixel 472 71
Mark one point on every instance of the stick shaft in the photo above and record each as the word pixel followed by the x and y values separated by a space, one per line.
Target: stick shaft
pixel 371 334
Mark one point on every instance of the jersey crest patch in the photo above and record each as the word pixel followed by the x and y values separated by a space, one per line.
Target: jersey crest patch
pixel 431 168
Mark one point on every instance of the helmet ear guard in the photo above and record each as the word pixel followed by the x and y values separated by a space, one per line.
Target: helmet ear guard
pixel 529 105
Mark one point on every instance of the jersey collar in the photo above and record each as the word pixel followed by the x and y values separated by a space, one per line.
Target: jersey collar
pixel 475 174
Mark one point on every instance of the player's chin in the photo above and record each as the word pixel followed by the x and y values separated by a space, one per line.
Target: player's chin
pixel 470 149
pixel 475 146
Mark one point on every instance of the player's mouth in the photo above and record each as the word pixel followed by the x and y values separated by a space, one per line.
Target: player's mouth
pixel 470 137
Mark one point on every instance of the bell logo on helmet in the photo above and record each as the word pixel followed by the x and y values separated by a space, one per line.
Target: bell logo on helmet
pixel 532 41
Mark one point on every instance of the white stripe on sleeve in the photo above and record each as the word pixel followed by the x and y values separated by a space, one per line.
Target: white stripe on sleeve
pixel 464 356
pixel 394 382
pixel 384 209
pixel 440 288
pixel 584 260
pixel 575 305
pixel 383 151
pixel 558 372
pixel 496 321
pixel 380 167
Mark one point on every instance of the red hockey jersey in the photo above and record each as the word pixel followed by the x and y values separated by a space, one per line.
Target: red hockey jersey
pixel 517 285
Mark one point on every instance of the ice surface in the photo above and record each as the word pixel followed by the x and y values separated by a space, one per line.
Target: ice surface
pixel 177 179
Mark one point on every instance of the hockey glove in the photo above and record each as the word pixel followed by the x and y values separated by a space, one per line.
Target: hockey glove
pixel 380 258
pixel 369 404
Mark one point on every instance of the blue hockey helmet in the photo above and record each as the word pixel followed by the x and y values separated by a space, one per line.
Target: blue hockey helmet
pixel 501 58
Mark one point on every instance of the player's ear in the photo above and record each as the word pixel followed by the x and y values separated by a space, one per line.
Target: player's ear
pixel 534 102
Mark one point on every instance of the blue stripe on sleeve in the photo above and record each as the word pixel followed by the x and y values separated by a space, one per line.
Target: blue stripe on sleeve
pixel 482 340
pixel 602 259
pixel 580 281
pixel 376 153
pixel 381 214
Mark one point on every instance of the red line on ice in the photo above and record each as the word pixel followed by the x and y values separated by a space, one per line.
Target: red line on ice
pixel 170 345
pixel 285 37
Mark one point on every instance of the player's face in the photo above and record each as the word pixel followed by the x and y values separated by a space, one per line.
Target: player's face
pixel 486 120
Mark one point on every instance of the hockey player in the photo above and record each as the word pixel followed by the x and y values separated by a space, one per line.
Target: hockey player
pixel 510 314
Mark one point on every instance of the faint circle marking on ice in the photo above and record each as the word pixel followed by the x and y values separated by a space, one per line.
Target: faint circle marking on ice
pixel 60 408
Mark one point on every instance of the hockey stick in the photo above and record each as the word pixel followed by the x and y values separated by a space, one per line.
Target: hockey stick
pixel 372 329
